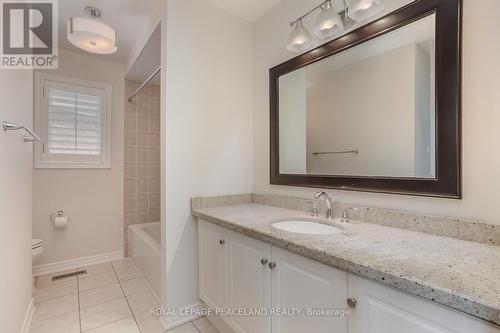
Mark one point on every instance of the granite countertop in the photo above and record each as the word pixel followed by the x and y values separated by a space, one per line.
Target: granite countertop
pixel 459 274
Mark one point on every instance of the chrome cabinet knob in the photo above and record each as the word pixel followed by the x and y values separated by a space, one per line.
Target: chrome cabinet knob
pixel 264 262
pixel 351 302
pixel 222 242
pixel 272 265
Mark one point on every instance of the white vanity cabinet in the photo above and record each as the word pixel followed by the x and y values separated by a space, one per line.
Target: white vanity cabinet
pixel 212 264
pixel 298 282
pixel 381 309
pixel 240 272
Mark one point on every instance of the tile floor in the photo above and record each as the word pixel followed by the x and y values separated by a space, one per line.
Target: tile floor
pixel 110 298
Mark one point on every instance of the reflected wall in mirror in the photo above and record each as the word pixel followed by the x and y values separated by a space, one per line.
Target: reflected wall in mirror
pixel 368 111
pixel 377 109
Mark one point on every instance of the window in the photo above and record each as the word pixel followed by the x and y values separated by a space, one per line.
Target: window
pixel 73 118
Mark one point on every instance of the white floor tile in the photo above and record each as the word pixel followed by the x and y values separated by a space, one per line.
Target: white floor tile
pixel 128 273
pixel 98 269
pixel 150 324
pixel 103 314
pixel 188 328
pixel 205 326
pixel 67 323
pixel 100 295
pixel 96 281
pixel 119 265
pixel 134 286
pixel 143 302
pixel 126 325
pixel 55 307
pixel 55 290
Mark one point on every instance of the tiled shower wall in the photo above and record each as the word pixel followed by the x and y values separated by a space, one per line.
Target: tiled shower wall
pixel 142 157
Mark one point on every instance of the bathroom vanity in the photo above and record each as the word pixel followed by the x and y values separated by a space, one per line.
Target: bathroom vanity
pixel 389 279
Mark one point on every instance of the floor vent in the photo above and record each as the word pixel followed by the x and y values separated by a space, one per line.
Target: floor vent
pixel 67 275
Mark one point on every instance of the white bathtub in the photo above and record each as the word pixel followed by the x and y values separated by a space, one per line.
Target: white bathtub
pixel 144 248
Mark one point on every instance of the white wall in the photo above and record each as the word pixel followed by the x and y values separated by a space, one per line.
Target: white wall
pixel 481 79
pixel 208 126
pixel 93 199
pixel 16 162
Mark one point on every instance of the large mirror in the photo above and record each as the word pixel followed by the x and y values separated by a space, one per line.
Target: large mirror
pixel 375 110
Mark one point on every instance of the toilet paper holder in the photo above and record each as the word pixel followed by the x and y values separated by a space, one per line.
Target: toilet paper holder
pixel 59 213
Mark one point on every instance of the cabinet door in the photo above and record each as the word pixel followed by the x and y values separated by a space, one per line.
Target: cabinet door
pixel 382 309
pixel 249 282
pixel 212 275
pixel 304 284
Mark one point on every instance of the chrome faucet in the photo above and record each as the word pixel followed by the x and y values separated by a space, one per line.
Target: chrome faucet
pixel 329 204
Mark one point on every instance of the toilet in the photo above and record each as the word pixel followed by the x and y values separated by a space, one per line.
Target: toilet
pixel 36 248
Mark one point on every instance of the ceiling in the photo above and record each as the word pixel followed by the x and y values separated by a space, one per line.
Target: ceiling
pixel 148 60
pixel 250 10
pixel 130 18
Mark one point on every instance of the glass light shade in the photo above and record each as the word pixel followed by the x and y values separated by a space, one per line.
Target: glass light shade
pixel 299 38
pixel 360 10
pixel 92 36
pixel 328 23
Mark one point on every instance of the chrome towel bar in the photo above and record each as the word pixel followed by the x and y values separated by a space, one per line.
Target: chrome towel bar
pixel 336 152
pixel 14 127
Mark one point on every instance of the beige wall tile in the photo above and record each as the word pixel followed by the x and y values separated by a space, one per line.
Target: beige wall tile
pixel 154 108
pixel 130 154
pixel 130 216
pixel 143 138
pixel 142 185
pixel 142 200
pixel 154 139
pixel 155 170
pixel 142 106
pixel 142 215
pixel 130 120
pixel 130 185
pixel 142 170
pixel 130 107
pixel 154 154
pixel 154 123
pixel 130 169
pixel 130 137
pixel 154 185
pixel 154 200
pixel 142 123
pixel 130 201
pixel 155 214
pixel 154 93
pixel 143 154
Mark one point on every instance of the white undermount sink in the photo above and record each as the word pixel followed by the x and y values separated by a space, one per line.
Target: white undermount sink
pixel 307 227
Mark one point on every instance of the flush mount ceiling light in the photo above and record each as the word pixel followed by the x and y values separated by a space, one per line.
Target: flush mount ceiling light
pixel 91 35
pixel 330 22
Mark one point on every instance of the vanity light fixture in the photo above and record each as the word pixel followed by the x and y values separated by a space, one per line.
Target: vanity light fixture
pixel 91 35
pixel 330 23
pixel 360 10
pixel 299 38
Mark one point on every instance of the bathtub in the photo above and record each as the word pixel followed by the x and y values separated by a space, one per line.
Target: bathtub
pixel 144 248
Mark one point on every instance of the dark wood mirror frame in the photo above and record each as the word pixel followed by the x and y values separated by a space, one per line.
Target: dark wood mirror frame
pixel 447 182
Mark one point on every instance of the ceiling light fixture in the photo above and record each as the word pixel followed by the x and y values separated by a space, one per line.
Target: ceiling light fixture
pixel 91 35
pixel 330 23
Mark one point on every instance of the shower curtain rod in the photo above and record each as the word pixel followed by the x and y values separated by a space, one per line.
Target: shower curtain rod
pixel 144 84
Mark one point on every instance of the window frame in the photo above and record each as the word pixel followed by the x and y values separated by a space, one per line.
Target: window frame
pixel 44 160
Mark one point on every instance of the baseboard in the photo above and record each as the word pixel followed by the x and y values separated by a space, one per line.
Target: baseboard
pixel 28 317
pixel 76 263
pixel 172 322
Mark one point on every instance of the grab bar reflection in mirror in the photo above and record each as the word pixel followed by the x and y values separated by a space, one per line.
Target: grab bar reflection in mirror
pixel 14 127
pixel 336 152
